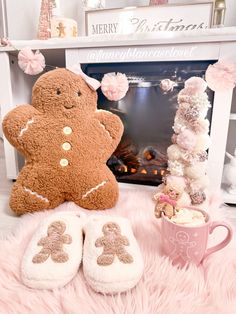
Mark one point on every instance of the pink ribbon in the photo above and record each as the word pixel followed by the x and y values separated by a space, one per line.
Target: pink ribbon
pixel 92 83
pixel 166 199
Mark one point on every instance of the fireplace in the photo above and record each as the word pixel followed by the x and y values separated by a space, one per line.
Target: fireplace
pixel 147 114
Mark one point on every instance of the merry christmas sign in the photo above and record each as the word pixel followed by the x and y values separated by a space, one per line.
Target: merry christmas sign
pixel 150 19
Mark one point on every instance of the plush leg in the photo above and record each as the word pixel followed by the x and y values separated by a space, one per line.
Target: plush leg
pixel 98 193
pixel 105 259
pixel 41 257
pixel 104 269
pixel 34 190
pixel 56 264
pixel 125 258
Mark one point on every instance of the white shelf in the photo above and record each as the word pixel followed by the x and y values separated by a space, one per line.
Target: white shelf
pixel 224 34
pixel 228 198
pixel 233 116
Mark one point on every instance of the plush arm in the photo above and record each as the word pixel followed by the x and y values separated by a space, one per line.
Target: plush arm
pixel 100 242
pixel 17 125
pixel 66 239
pixel 111 124
pixel 124 241
pixel 42 241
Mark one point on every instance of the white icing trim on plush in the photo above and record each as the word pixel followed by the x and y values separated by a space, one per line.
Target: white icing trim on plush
pixel 103 126
pixel 37 195
pixel 26 127
pixel 95 188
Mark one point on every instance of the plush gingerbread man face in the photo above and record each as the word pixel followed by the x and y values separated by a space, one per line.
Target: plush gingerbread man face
pixel 66 94
pixel 66 142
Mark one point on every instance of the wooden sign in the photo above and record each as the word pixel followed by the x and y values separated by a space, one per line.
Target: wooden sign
pixel 151 19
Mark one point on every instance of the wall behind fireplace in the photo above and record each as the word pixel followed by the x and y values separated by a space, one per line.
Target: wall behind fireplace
pixel 27 12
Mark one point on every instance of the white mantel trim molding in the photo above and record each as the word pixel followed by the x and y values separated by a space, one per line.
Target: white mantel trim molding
pixel 225 34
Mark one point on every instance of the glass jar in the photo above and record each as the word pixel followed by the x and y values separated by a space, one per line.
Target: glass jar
pixel 219 13
pixel 94 4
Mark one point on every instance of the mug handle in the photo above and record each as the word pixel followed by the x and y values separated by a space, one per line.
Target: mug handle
pixel 223 243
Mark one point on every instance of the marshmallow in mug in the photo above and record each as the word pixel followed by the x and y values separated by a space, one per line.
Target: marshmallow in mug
pixel 189 217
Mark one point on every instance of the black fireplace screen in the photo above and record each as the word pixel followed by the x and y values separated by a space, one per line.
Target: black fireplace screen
pixel 147 114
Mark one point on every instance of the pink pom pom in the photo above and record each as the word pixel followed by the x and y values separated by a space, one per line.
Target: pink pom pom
pixel 200 126
pixel 176 182
pixel 221 76
pixel 31 63
pixel 196 85
pixel 186 140
pixel 114 86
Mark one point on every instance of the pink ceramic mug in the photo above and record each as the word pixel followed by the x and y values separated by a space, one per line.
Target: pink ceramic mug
pixel 185 244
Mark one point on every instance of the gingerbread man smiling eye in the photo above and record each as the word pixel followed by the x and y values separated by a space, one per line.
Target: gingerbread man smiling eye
pixel 66 142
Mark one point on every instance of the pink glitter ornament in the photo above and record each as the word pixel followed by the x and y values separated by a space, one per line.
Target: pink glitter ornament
pixel 191 114
pixel 202 156
pixel 188 158
pixel 167 85
pixel 198 197
pixel 221 76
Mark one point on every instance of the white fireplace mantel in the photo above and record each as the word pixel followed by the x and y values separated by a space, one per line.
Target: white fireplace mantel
pixel 226 34
pixel 210 44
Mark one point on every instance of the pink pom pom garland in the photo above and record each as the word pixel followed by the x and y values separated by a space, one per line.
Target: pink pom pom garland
pixel 114 86
pixel 30 62
pixel 221 76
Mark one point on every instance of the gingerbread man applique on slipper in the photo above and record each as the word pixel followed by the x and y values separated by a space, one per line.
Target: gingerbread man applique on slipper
pixel 112 260
pixel 53 256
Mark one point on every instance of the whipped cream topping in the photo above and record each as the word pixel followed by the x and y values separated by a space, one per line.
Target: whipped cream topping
pixel 188 217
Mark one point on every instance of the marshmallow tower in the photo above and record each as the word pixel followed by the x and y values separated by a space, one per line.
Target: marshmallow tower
pixel 187 156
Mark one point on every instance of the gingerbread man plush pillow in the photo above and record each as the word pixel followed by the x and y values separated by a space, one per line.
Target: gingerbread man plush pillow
pixel 66 142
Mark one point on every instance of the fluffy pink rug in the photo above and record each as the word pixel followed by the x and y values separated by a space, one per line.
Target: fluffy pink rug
pixel 210 288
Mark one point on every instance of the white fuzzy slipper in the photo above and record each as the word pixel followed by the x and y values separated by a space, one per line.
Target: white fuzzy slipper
pixel 54 253
pixel 112 261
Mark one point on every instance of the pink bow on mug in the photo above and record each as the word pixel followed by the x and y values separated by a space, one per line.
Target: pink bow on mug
pixel 92 83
